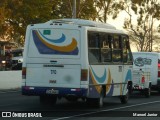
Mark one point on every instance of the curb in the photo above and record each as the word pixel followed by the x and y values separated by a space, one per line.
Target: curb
pixel 10 90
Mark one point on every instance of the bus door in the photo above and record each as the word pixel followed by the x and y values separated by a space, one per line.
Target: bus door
pixel 127 60
pixel 117 67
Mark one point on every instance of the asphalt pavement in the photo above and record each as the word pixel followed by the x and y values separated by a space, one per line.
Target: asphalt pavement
pixel 137 108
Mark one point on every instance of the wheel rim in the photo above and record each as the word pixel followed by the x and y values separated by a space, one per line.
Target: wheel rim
pixel 149 91
pixel 101 100
pixel 127 95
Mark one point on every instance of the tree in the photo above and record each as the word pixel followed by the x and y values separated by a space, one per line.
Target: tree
pixel 4 26
pixel 24 12
pixel 107 8
pixel 85 9
pixel 17 14
pixel 142 30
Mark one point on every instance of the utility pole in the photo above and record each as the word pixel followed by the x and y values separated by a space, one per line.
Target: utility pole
pixel 74 9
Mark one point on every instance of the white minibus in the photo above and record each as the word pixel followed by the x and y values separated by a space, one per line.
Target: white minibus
pixel 76 58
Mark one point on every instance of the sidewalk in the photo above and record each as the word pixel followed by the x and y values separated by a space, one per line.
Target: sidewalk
pixel 10 80
pixel 10 90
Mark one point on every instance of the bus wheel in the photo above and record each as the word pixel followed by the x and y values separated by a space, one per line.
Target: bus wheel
pixel 147 92
pixel 159 91
pixel 124 98
pixel 130 87
pixel 48 100
pixel 96 102
pixel 99 101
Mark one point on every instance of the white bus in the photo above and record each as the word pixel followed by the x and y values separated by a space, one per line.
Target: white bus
pixel 75 58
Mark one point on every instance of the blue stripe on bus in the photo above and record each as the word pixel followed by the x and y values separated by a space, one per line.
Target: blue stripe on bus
pixel 62 91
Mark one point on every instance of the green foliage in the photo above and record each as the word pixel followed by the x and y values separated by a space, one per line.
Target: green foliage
pixel 107 8
pixel 142 31
pixel 19 13
pixel 15 15
pixel 63 9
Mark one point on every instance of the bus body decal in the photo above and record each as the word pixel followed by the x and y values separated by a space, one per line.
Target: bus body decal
pixel 42 45
pixel 99 79
pixel 60 40
pixel 98 88
pixel 109 85
pixel 128 77
pixel 110 92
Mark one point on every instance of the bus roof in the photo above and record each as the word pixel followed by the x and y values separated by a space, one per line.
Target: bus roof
pixel 82 22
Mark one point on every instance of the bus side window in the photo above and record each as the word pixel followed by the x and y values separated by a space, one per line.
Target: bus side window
pixel 105 48
pixel 127 55
pixel 93 47
pixel 117 49
pixel 130 57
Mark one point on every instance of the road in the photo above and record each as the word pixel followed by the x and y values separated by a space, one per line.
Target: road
pixel 65 110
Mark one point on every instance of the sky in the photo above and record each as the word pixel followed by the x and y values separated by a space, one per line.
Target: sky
pixel 119 22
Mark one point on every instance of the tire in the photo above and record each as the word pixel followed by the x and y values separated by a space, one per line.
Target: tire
pixel 130 89
pixel 159 91
pixel 96 102
pixel 89 102
pixel 48 100
pixel 124 98
pixel 99 101
pixel 147 92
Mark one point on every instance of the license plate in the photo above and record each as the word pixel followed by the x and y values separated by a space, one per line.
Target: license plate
pixel 52 91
